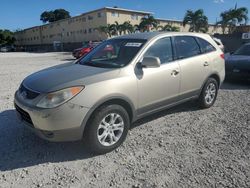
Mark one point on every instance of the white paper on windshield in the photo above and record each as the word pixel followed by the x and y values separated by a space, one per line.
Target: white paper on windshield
pixel 133 44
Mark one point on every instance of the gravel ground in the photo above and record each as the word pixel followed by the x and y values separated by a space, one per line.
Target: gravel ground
pixel 180 147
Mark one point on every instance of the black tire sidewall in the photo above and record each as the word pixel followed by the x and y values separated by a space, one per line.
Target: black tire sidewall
pixel 91 130
pixel 202 100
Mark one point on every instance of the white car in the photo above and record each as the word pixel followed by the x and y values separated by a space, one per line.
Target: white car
pixel 219 43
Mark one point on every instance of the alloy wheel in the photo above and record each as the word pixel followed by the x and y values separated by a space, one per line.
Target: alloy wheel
pixel 110 129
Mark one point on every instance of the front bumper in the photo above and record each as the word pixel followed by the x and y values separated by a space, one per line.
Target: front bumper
pixel 63 123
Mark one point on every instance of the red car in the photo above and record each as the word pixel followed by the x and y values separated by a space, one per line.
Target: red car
pixel 79 52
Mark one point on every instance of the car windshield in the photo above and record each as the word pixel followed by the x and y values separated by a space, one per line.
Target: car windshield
pixel 114 53
pixel 243 50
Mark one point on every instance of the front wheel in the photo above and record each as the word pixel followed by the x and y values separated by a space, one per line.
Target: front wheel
pixel 107 129
pixel 209 93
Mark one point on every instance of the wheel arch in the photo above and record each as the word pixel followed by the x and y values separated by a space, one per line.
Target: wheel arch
pixel 120 100
pixel 213 75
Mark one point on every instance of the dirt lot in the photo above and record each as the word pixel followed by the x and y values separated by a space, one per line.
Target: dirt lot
pixel 182 147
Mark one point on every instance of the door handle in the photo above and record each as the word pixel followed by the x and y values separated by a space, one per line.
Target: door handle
pixel 175 72
pixel 206 64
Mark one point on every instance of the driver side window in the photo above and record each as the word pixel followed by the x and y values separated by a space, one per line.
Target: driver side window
pixel 162 49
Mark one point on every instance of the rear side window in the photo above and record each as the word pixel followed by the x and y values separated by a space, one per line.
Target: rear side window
pixel 206 47
pixel 162 49
pixel 186 47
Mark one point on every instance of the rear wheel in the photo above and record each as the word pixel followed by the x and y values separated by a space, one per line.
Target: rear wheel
pixel 107 129
pixel 209 93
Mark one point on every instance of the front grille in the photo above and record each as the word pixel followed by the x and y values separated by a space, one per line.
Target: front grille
pixel 29 94
pixel 24 115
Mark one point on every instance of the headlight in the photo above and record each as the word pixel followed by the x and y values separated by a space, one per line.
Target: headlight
pixel 54 99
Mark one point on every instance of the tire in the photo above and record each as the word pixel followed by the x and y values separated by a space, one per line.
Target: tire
pixel 95 127
pixel 204 100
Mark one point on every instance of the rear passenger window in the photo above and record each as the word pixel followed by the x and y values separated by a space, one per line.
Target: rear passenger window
pixel 162 49
pixel 186 47
pixel 206 47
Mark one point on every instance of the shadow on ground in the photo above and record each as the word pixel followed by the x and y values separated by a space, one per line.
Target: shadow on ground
pixel 20 148
pixel 236 85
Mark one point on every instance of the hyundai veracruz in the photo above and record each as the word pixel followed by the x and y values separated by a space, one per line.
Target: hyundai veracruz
pixel 99 96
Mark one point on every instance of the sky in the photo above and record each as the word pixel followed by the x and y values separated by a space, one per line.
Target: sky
pixel 21 14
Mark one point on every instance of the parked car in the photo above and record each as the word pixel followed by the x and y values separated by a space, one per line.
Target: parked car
pixel 219 43
pixel 80 52
pixel 7 49
pixel 98 97
pixel 238 64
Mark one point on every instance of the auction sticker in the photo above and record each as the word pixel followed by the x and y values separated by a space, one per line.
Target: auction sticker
pixel 133 44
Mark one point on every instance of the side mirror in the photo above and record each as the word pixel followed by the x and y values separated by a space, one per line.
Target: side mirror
pixel 151 62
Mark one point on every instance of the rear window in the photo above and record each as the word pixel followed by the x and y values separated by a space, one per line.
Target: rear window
pixel 186 46
pixel 206 47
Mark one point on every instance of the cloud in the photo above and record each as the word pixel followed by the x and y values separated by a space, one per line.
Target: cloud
pixel 218 1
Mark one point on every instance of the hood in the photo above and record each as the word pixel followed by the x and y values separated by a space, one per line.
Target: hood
pixel 62 76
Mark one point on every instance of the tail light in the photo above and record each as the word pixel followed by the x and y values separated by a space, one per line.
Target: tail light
pixel 222 56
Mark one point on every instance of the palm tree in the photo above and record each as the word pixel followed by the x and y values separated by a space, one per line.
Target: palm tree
pixel 118 28
pixel 233 17
pixel 109 30
pixel 197 20
pixel 102 29
pixel 129 28
pixel 168 28
pixel 148 23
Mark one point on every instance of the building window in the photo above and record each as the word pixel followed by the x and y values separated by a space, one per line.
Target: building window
pixel 90 30
pixel 90 17
pixel 115 14
pixel 134 17
pixel 85 31
pixel 100 14
pixel 84 19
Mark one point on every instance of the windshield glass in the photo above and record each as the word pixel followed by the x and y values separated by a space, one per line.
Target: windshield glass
pixel 114 53
pixel 244 50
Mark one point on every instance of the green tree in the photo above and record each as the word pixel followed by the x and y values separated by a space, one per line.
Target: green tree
pixel 168 28
pixel 233 17
pixel 197 20
pixel 6 37
pixel 129 27
pixel 124 28
pixel 148 23
pixel 54 15
pixel 110 29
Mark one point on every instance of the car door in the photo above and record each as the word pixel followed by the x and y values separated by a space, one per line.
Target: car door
pixel 158 87
pixel 194 66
